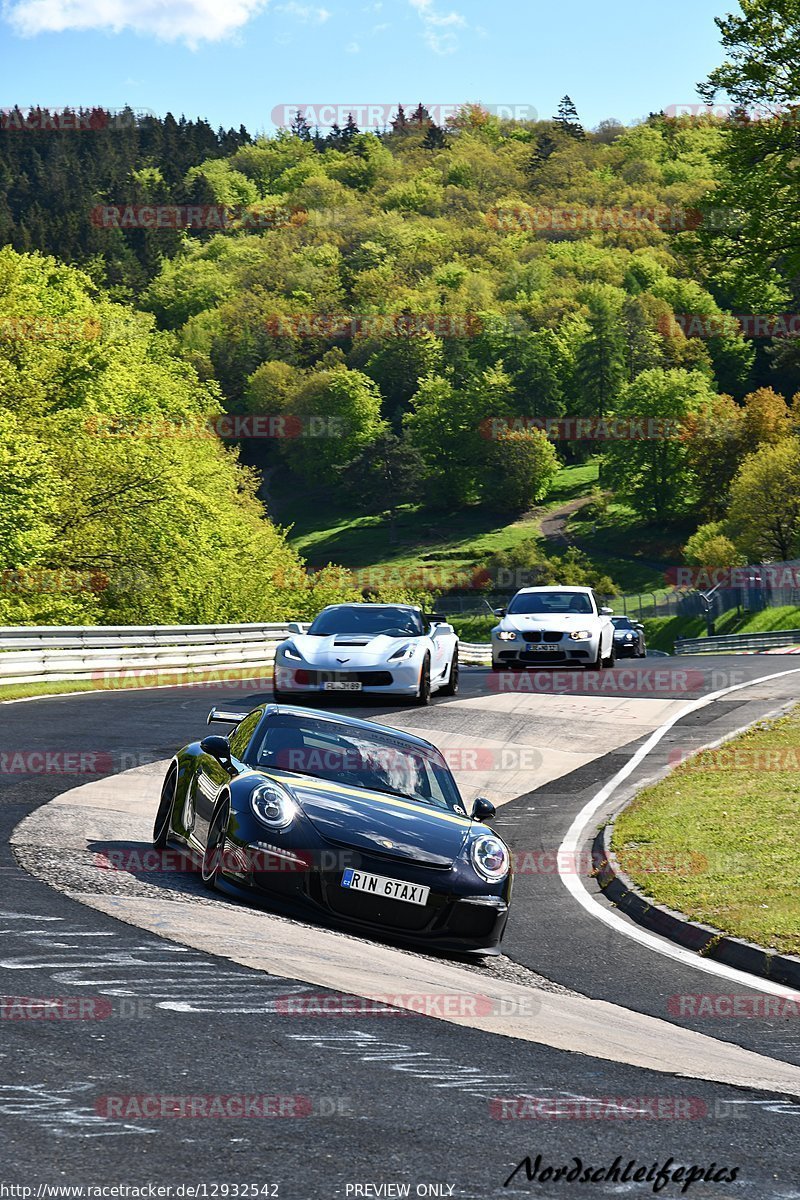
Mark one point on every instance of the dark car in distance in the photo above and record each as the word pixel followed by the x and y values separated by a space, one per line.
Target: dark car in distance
pixel 629 638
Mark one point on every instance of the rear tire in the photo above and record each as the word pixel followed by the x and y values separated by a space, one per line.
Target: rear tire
pixel 451 687
pixel 211 867
pixel 162 826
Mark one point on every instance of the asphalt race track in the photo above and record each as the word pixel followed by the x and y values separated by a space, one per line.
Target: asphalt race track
pixel 180 994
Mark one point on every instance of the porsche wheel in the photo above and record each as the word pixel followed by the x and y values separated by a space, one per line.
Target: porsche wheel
pixel 451 687
pixel 211 867
pixel 161 826
pixel 423 695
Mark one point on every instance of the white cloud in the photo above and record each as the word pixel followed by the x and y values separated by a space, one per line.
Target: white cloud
pixel 309 14
pixel 438 27
pixel 192 21
pixel 352 48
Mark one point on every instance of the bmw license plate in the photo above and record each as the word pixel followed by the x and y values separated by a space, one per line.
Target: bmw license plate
pixel 547 648
pixel 381 885
pixel 340 685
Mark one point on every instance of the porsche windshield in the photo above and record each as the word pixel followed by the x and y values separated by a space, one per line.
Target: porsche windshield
pixel 550 603
pixel 369 620
pixel 355 757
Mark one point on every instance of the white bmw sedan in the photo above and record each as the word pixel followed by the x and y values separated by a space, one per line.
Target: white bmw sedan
pixel 378 649
pixel 553 626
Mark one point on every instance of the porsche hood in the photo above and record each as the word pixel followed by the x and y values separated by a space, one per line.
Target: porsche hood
pixel 380 823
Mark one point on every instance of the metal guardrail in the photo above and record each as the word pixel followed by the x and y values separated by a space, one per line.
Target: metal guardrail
pixel 737 642
pixel 107 652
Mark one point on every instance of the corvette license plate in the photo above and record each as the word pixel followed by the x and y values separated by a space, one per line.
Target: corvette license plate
pixel 339 685
pixel 381 885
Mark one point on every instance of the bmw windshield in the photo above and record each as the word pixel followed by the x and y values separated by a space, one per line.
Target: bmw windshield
pixel 550 603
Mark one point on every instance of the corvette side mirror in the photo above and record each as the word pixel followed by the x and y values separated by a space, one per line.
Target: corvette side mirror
pixel 483 809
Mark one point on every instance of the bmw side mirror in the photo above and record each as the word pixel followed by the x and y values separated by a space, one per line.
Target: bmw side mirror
pixel 483 809
pixel 218 747
pixel 606 612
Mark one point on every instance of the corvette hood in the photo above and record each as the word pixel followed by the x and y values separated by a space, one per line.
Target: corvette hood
pixel 563 622
pixel 349 649
pixel 351 816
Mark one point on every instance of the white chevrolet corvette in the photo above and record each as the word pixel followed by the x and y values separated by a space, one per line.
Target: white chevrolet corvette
pixel 553 626
pixel 380 649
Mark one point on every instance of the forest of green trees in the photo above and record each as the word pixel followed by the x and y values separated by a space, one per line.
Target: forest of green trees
pixel 401 291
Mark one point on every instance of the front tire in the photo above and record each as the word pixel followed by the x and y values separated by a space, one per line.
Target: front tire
pixel 423 696
pixel 211 867
pixel 451 687
pixel 162 826
pixel 612 656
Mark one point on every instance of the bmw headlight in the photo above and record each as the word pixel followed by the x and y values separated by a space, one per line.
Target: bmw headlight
pixel 273 805
pixel 581 635
pixel 507 635
pixel 402 652
pixel 489 857
pixel 291 653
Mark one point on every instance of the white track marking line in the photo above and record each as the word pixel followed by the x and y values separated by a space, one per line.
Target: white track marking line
pixel 570 845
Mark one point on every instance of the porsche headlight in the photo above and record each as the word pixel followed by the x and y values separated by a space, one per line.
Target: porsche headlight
pixel 402 652
pixel 507 635
pixel 628 637
pixel 291 653
pixel 273 805
pixel 581 635
pixel 489 857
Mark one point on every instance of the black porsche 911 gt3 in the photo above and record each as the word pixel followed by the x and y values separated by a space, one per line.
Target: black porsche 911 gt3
pixel 346 820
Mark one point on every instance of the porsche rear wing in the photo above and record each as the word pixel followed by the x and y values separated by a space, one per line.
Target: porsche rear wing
pixel 222 716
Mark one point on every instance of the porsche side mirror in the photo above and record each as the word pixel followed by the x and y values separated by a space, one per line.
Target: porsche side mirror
pixel 295 627
pixel 483 809
pixel 218 747
pixel 500 612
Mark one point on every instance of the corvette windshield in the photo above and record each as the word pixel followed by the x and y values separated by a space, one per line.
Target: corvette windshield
pixel 360 758
pixel 550 603
pixel 368 620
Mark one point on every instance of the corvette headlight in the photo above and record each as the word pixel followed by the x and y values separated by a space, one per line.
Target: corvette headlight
pixel 273 806
pixel 290 652
pixel 489 857
pixel 507 635
pixel 402 652
pixel 581 635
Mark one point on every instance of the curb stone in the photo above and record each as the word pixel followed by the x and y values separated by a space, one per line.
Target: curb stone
pixel 704 940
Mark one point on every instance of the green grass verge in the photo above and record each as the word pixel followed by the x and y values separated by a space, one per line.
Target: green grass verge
pixel 729 817
pixel 661 632
pixel 202 679
pixel 323 532
pixel 633 552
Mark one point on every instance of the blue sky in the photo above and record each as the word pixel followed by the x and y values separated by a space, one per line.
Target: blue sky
pixel 235 61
